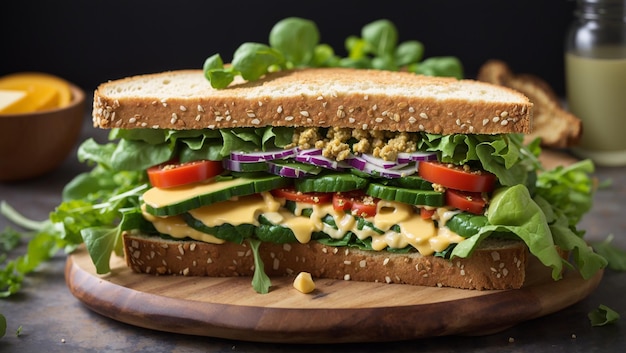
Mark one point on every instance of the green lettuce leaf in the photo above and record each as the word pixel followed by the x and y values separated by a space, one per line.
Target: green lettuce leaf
pixel 545 219
pixel 513 210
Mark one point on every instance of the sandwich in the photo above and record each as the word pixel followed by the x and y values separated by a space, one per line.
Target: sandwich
pixel 343 173
pixel 289 160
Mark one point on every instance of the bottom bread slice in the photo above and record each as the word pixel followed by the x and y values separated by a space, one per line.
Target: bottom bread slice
pixel 497 264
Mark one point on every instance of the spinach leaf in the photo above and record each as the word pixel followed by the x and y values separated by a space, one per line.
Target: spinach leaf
pixel 295 42
pixel 296 39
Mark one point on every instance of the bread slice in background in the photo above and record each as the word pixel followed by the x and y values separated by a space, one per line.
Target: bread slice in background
pixel 556 127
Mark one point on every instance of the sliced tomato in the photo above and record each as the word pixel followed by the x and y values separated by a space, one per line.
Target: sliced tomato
pixel 341 202
pixel 427 214
pixel 472 202
pixel 357 202
pixel 455 177
pixel 292 194
pixel 172 174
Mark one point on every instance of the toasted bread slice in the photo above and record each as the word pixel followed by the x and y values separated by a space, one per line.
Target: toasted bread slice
pixel 337 97
pixel 497 264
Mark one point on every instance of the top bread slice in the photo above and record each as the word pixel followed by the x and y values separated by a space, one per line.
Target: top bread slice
pixel 320 97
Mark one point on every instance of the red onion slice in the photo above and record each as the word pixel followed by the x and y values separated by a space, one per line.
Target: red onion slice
pixel 407 157
pixel 248 157
pixel 358 163
pixel 383 163
pixel 321 161
pixel 389 173
pixel 376 170
pixel 310 152
pixel 291 170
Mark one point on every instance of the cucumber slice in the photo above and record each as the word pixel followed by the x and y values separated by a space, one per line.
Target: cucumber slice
pixel 177 200
pixel 331 182
pixel 291 169
pixel 405 195
pixel 467 224
pixel 245 167
pixel 410 182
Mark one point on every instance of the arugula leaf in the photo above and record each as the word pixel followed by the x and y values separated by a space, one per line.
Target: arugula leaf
pixel 587 261
pixel 10 279
pixel 568 189
pixel 260 281
pixel 40 249
pixel 47 239
pixel 151 136
pixel 90 150
pixel 603 315
pixel 139 155
pixel 101 242
pixel 9 239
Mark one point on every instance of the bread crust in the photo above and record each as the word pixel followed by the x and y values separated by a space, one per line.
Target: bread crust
pixel 325 97
pixel 556 127
pixel 495 265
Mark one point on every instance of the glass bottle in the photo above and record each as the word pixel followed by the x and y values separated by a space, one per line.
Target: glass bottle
pixel 595 77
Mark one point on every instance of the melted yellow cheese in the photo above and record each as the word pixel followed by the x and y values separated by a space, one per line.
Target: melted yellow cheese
pixel 243 210
pixel 176 227
pixel 422 234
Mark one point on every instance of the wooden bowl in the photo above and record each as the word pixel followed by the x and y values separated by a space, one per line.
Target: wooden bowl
pixel 33 144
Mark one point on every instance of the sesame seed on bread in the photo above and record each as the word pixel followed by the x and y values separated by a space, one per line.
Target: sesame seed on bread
pixel 320 97
pixel 496 264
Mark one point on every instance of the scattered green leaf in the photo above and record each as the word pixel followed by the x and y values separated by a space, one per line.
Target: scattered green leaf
pixel 603 315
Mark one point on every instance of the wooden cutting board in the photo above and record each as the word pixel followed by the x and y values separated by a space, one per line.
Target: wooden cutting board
pixel 337 311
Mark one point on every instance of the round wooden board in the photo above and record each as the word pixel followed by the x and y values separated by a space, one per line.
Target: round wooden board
pixel 337 311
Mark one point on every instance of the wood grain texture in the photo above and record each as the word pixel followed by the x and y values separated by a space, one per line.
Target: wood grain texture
pixel 337 311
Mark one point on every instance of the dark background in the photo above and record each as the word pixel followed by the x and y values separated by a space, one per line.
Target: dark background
pixel 92 41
